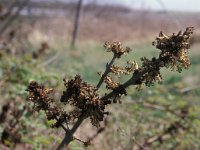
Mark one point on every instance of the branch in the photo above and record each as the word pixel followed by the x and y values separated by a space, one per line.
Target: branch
pixel 131 81
pixel 108 66
pixel 69 134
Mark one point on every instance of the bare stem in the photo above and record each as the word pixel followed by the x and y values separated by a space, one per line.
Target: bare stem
pixel 132 81
pixel 106 71
pixel 69 134
pixel 63 127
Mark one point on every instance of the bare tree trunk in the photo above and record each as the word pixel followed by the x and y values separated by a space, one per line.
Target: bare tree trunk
pixel 76 24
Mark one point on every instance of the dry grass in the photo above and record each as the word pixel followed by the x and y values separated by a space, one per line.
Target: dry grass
pixel 108 25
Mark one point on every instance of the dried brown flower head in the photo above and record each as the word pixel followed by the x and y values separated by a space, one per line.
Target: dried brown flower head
pixel 39 95
pixel 117 48
pixel 84 98
pixel 42 100
pixel 110 83
pixel 130 68
pixel 173 55
pixel 153 71
pixel 174 49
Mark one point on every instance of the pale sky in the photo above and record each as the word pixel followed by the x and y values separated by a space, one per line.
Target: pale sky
pixel 177 5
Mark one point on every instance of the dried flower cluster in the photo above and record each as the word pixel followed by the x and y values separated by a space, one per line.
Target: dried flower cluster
pixel 130 68
pixel 41 97
pixel 85 98
pixel 173 55
pixel 110 83
pixel 151 69
pixel 117 48
pixel 174 49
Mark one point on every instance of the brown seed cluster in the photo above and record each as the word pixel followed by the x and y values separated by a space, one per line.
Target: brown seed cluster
pixel 85 99
pixel 174 49
pixel 118 89
pixel 130 68
pixel 42 100
pixel 152 71
pixel 109 81
pixel 173 55
pixel 117 48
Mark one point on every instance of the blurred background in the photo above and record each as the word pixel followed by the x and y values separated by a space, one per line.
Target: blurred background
pixel 47 40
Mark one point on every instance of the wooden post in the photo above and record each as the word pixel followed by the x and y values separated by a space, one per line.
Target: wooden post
pixel 76 24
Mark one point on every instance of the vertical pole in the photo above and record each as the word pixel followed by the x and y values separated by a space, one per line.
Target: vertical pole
pixel 76 24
